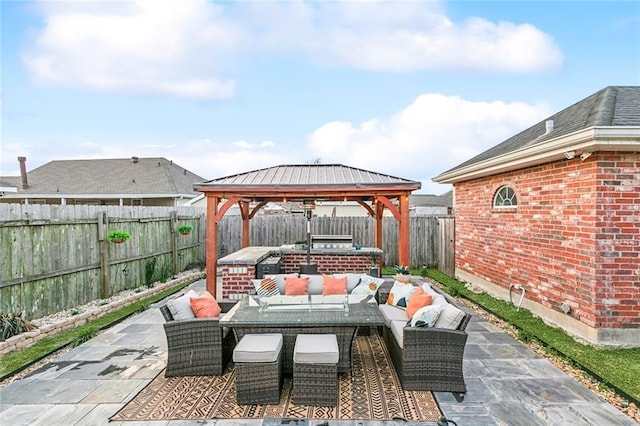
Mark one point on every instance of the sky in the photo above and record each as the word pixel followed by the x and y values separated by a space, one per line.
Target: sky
pixel 405 88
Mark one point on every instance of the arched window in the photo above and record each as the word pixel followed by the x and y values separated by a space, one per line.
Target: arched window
pixel 505 197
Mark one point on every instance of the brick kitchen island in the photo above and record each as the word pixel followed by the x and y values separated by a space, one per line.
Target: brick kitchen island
pixel 239 268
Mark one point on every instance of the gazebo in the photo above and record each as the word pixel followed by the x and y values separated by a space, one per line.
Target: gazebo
pixel 305 183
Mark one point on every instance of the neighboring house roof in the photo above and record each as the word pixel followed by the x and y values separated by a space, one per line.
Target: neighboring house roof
pixel 429 200
pixel 607 120
pixel 7 185
pixel 106 178
pixel 307 175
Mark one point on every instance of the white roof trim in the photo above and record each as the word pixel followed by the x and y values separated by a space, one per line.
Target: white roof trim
pixel 617 138
pixel 194 200
pixel 94 196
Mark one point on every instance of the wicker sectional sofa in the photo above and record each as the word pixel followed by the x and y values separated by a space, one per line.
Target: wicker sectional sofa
pixel 196 347
pixel 428 358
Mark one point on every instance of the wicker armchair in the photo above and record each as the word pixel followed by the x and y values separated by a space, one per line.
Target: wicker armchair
pixel 431 358
pixel 196 347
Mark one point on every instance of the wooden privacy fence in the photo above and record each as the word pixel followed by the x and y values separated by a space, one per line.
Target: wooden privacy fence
pixel 432 238
pixel 54 258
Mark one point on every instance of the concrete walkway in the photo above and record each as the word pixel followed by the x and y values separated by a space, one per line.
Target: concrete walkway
pixel 508 384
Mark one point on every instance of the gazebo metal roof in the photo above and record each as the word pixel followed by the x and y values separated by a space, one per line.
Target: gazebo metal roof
pixel 306 182
pixel 307 178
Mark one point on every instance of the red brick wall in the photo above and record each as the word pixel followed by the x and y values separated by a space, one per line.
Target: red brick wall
pixel 574 236
pixel 328 263
pixel 236 280
pixel 618 241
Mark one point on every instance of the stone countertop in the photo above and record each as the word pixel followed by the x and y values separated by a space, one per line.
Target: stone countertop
pixel 255 254
pixel 248 256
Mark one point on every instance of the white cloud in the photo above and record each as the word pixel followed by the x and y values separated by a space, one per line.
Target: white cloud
pixel 154 47
pixel 141 46
pixel 434 133
pixel 405 36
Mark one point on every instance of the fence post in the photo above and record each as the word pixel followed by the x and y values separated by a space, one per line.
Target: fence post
pixel 103 222
pixel 173 224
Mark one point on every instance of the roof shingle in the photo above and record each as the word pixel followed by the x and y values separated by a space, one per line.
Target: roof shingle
pixel 155 175
pixel 611 106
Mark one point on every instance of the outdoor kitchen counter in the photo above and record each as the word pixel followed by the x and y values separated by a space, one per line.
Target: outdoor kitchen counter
pixel 255 254
pixel 251 255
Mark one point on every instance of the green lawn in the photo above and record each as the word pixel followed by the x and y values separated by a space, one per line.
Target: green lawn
pixel 619 369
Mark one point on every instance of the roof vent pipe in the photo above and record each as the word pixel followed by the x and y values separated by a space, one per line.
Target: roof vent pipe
pixel 548 126
pixel 23 172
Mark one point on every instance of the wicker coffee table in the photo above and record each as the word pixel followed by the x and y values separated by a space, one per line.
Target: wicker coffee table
pixel 251 315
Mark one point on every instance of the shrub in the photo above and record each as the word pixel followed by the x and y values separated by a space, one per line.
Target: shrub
pixel 402 270
pixel 165 273
pixel 12 325
pixel 149 269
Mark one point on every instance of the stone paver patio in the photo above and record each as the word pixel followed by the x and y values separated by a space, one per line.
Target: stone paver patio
pixel 508 384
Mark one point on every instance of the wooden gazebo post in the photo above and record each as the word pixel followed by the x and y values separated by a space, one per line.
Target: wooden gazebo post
pixel 211 251
pixel 404 257
pixel 379 209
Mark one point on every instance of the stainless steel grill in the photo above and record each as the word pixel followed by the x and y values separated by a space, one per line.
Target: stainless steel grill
pixel 331 241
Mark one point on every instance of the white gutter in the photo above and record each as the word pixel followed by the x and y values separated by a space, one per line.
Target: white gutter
pixel 618 138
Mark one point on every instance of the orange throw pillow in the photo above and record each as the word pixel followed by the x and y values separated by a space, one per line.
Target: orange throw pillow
pixel 294 286
pixel 418 300
pixel 333 285
pixel 205 306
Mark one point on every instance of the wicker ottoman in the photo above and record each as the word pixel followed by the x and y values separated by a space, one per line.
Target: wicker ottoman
pixel 258 364
pixel 315 370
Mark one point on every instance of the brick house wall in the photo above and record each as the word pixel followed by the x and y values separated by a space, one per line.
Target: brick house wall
pixel 574 238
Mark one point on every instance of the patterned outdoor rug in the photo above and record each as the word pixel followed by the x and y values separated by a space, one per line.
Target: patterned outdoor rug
pixel 374 394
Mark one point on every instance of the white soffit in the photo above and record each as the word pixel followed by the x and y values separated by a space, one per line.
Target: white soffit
pixel 595 139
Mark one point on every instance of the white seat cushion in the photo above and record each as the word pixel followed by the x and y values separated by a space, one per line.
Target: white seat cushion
pixel 429 290
pixel 315 284
pixel 316 349
pixel 391 313
pixel 258 348
pixel 397 329
pixel 180 307
pixel 450 317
